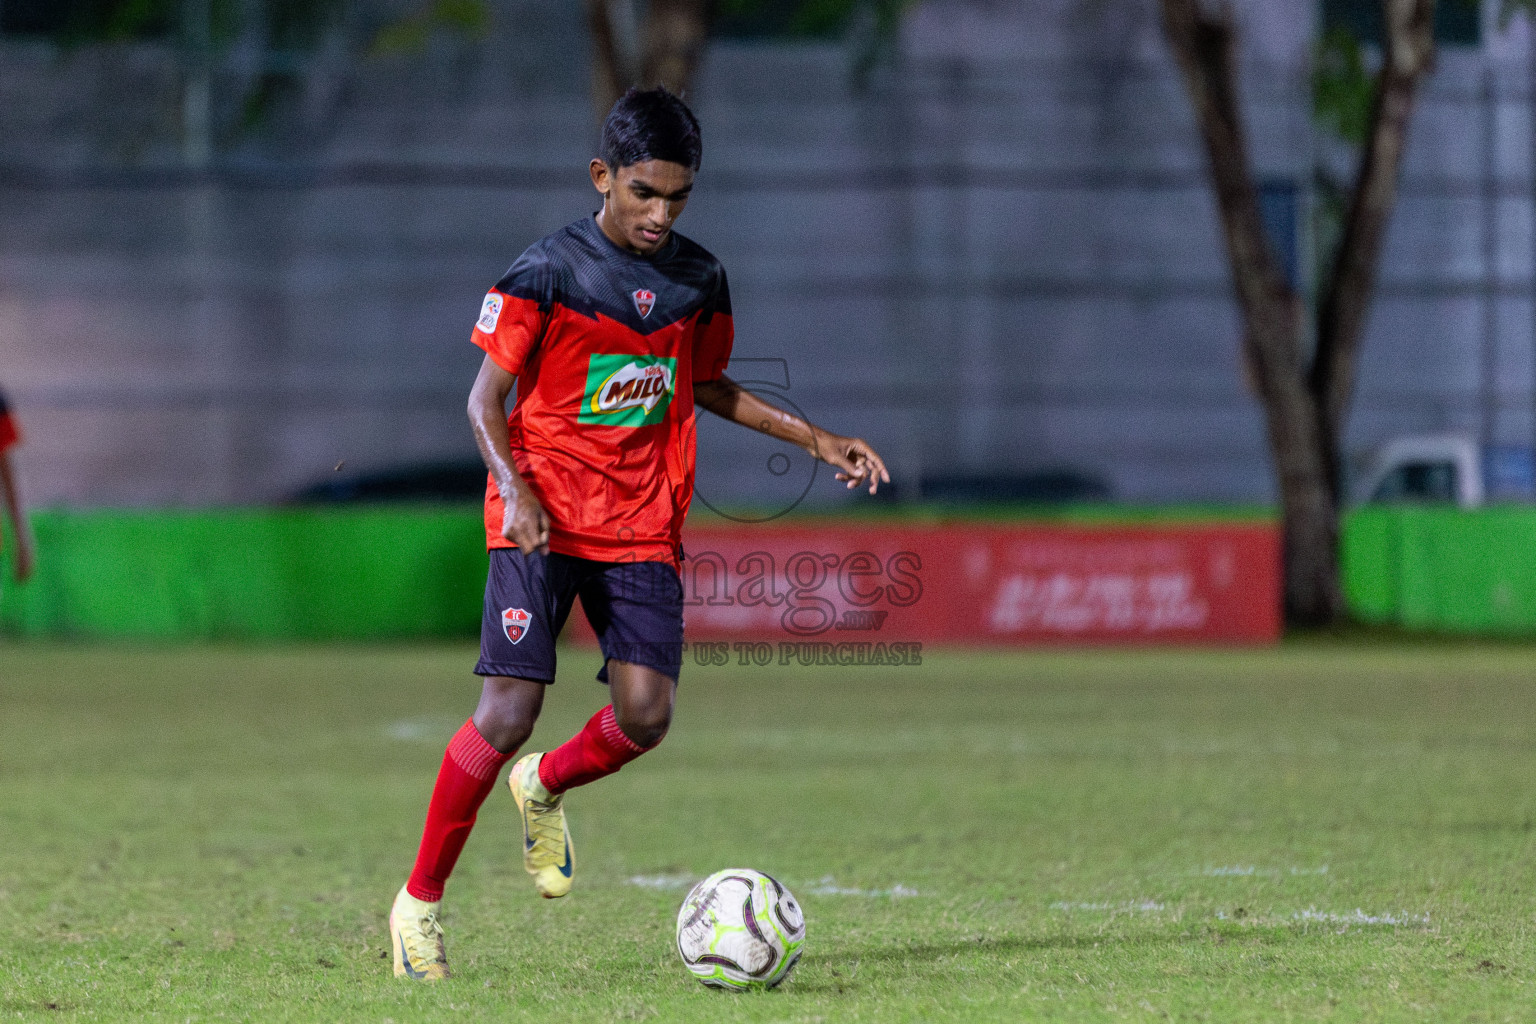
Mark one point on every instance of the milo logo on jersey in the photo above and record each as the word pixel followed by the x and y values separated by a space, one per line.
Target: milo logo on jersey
pixel 627 390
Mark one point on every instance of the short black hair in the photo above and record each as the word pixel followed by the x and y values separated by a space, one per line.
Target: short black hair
pixel 651 124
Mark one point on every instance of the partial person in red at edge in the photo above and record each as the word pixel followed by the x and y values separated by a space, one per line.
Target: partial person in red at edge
pixel 23 558
pixel 612 328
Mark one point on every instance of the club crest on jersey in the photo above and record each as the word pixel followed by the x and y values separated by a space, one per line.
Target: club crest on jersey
pixel 490 312
pixel 645 301
pixel 515 622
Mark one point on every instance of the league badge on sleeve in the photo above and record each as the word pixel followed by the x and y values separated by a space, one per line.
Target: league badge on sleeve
pixel 645 301
pixel 490 312
pixel 515 622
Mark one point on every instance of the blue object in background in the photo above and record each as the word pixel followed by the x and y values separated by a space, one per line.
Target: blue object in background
pixel 1280 207
pixel 1509 472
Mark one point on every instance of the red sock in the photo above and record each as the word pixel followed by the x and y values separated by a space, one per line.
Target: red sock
pixel 601 748
pixel 464 781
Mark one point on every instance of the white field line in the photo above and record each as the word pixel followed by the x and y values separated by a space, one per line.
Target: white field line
pixel 1131 906
pixel 662 882
pixel 1391 919
pixel 1252 871
pixel 1312 915
pixel 828 886
pixel 986 741
pixel 1358 916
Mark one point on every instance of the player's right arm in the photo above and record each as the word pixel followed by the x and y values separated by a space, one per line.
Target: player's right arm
pixel 512 322
pixel 524 522
pixel 23 559
pixel 10 495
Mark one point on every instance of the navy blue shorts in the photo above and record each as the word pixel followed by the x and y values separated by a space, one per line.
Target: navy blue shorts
pixel 636 609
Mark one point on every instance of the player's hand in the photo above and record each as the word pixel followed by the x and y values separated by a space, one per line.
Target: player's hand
pixel 856 462
pixel 525 522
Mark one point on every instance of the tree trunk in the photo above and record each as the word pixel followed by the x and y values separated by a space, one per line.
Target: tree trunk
pixel 674 34
pixel 1408 56
pixel 1204 44
pixel 611 70
pixel 1304 400
pixel 674 42
pixel 1309 500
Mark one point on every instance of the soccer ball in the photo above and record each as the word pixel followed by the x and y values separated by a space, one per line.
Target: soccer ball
pixel 740 929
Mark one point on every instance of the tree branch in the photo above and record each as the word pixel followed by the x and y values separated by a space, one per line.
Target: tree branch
pixel 1408 56
pixel 675 33
pixel 610 75
pixel 1203 42
pixel 674 42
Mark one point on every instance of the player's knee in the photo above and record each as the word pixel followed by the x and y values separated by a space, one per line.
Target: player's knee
pixel 646 724
pixel 506 732
pixel 507 713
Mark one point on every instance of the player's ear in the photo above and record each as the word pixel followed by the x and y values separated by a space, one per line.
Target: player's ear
pixel 601 179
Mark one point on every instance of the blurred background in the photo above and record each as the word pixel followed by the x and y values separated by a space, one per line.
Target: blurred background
pixel 243 242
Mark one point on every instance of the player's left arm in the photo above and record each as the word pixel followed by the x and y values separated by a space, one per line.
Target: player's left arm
pixel 855 459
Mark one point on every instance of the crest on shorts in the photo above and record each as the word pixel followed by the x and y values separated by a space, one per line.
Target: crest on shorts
pixel 645 301
pixel 514 621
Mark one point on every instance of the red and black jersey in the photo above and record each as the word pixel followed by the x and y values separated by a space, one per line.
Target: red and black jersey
pixel 606 346
pixel 10 433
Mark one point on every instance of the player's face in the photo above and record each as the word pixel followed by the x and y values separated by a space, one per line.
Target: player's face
pixel 641 202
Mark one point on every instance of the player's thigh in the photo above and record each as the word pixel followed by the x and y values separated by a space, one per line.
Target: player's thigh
pixel 636 609
pixel 527 599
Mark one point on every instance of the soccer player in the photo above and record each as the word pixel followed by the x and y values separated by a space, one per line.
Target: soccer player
pixel 612 328
pixel 10 494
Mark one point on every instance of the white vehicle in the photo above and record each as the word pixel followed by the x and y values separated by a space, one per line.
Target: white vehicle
pixel 1445 468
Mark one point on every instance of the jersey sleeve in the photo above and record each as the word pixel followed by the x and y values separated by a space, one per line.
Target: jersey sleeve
pixel 516 312
pixel 715 335
pixel 10 433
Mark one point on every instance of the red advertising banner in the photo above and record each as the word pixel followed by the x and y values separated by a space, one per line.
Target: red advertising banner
pixel 868 593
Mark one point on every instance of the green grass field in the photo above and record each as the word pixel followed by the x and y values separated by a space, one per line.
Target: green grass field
pixel 1317 833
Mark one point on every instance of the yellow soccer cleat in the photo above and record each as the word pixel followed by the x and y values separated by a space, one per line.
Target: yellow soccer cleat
pixel 417 938
pixel 547 852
